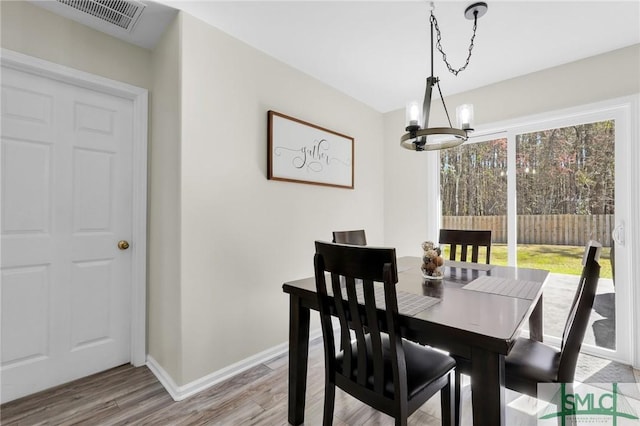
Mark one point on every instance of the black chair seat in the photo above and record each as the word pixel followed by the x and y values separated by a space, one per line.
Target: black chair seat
pixel 530 362
pixel 426 365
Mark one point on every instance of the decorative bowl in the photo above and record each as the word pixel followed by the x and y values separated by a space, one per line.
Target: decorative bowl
pixel 431 277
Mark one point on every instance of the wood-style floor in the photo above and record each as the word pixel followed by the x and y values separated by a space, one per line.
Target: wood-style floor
pixel 128 395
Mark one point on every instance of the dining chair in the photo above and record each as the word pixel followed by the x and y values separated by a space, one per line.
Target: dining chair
pixel 357 237
pixel 465 238
pixel 531 362
pixel 378 367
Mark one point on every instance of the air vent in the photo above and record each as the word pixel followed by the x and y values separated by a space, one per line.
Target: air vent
pixel 122 13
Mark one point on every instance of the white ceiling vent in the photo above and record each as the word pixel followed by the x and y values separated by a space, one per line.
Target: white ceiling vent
pixel 122 13
pixel 140 22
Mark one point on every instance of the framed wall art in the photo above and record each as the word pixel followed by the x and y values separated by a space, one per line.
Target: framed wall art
pixel 306 153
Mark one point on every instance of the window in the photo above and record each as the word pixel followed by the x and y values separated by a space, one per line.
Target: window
pixel 545 187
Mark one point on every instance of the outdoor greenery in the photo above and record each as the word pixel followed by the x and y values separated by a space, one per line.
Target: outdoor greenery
pixel 557 259
pixel 563 171
pixel 473 179
pixel 568 170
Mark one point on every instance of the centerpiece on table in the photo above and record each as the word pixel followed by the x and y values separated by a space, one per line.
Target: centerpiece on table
pixel 432 261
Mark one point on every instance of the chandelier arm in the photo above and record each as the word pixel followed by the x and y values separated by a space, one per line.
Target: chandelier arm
pixel 426 103
pixel 431 22
pixel 444 106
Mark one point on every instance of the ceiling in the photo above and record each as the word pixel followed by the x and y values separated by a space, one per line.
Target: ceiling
pixel 378 51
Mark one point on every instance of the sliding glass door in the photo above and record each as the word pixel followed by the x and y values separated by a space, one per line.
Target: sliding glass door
pixel 545 189
pixel 565 196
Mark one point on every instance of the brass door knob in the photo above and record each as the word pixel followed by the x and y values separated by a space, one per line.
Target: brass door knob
pixel 123 245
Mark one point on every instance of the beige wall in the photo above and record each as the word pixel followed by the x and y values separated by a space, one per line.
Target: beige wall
pixel 163 272
pixel 593 79
pixel 607 76
pixel 243 235
pixel 37 32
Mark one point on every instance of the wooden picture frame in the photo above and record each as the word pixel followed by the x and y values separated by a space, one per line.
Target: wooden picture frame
pixel 305 153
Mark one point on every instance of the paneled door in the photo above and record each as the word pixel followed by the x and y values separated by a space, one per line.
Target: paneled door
pixel 66 215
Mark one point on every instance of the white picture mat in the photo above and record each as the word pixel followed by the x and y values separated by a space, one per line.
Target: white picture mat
pixel 303 152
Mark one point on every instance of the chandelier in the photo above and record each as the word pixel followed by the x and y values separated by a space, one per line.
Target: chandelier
pixel 421 137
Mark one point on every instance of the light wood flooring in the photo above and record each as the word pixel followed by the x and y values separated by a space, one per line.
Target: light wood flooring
pixel 128 395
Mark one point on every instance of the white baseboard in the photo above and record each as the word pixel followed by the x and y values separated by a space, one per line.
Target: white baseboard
pixel 178 393
pixel 164 378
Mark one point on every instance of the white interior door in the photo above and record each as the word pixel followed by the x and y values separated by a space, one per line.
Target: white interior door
pixel 66 202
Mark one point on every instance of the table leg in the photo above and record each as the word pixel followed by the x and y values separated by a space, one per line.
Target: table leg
pixel 298 356
pixel 535 322
pixel 487 388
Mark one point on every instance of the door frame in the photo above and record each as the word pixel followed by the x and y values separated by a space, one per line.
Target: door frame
pixel 139 98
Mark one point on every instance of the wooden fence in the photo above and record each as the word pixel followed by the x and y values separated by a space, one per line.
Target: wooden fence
pixel 570 230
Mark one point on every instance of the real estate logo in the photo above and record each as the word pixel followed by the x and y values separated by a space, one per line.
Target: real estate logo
pixel 565 404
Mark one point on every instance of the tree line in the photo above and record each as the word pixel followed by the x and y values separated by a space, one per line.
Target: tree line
pixel 569 170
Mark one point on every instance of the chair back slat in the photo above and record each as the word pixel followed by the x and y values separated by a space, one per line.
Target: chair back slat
pixel 357 237
pixel 358 328
pixel 373 326
pixel 579 313
pixel 324 309
pixel 474 254
pixel 464 238
pixel 358 270
pixel 343 318
pixel 397 352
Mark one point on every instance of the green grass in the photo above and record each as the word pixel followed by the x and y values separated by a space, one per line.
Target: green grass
pixel 558 259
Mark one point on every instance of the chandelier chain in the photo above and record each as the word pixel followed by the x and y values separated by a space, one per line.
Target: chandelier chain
pixel 434 21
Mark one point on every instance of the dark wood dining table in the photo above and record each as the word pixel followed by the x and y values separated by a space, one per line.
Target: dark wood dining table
pixel 476 311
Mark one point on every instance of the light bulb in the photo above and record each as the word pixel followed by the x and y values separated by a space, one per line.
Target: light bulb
pixel 464 114
pixel 413 112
